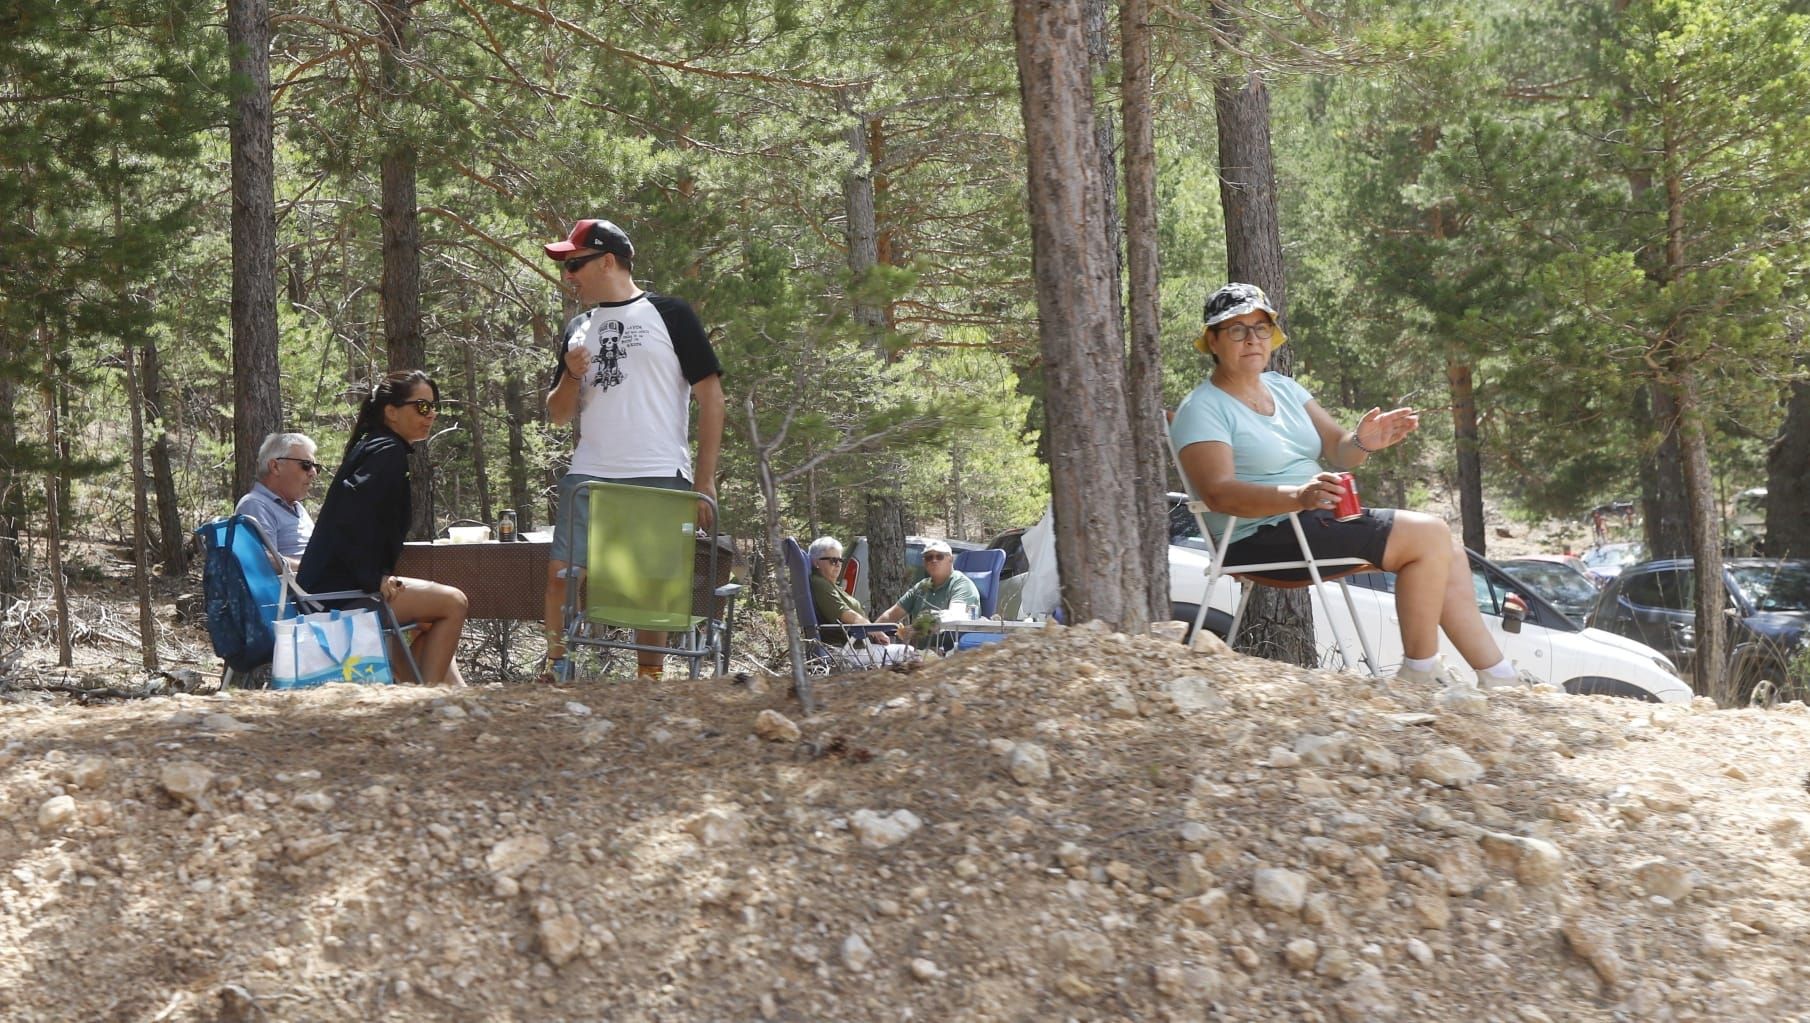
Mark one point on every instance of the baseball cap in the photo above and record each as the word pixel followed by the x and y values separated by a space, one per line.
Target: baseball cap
pixel 592 236
pixel 937 547
pixel 1237 300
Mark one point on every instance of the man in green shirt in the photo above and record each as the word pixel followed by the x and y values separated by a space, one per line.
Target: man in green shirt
pixel 941 588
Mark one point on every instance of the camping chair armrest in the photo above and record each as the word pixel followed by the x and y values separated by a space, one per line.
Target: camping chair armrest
pixel 848 631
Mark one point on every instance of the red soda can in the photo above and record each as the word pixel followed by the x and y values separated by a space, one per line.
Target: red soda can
pixel 1348 507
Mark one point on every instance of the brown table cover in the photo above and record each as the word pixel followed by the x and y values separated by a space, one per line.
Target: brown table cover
pixel 509 580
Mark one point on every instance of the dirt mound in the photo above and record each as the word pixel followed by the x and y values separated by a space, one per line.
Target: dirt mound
pixel 1072 826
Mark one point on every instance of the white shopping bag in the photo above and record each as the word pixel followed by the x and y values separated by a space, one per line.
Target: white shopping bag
pixel 330 646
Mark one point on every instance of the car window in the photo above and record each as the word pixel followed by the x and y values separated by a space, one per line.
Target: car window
pixel 1553 580
pixel 1668 589
pixel 1781 586
pixel 1181 524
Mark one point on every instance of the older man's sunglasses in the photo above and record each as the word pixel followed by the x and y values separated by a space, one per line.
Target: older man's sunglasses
pixel 307 464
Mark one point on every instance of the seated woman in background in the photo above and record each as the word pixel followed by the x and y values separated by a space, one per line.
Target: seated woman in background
pixel 833 605
pixel 1252 444
pixel 365 517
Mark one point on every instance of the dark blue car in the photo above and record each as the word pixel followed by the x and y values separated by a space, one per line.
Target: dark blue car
pixel 1768 609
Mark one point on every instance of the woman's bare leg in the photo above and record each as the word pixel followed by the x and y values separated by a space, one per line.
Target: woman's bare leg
pixel 1419 552
pixel 1462 621
pixel 418 600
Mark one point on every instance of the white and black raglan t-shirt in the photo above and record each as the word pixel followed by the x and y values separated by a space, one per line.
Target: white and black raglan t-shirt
pixel 634 405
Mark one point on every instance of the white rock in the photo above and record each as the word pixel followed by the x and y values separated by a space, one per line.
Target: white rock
pixel 316 802
pixel 186 780
pixel 1279 889
pixel 773 726
pixel 880 832
pixel 576 709
pixel 1301 954
pixel 1207 643
pixel 226 723
pixel 1206 907
pixel 718 828
pixel 1669 880
pixel 56 812
pixel 1461 700
pixel 1090 951
pixel 1420 951
pixel 855 953
pixel 88 773
pixel 1448 766
pixel 561 935
pixel 925 970
pixel 1191 693
pixel 1320 750
pixel 596 731
pixel 1281 757
pixel 1195 835
pixel 1120 703
pixel 1029 764
pixel 513 856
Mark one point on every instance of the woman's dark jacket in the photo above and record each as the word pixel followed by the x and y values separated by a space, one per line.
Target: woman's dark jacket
pixel 359 532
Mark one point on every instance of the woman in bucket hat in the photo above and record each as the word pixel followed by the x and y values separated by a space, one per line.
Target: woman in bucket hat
pixel 1256 445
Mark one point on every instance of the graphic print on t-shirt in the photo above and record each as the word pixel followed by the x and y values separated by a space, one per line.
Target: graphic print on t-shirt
pixel 611 350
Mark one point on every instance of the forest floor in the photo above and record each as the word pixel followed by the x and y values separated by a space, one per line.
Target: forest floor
pixel 1078 825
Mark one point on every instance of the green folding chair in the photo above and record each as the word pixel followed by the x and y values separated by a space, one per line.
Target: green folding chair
pixel 641 574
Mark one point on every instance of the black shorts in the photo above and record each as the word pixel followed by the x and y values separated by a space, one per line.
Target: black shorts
pixel 1366 536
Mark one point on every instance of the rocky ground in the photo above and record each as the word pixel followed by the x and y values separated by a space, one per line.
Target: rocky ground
pixel 1075 826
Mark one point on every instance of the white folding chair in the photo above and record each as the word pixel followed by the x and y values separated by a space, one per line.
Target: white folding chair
pixel 1252 574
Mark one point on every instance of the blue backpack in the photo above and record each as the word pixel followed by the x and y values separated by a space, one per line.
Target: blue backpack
pixel 242 592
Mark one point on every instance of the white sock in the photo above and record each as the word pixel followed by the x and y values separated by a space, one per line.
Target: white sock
pixel 1504 669
pixel 1419 663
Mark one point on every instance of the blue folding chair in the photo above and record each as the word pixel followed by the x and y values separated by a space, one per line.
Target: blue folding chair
pixel 984 568
pixel 249 587
pixel 831 646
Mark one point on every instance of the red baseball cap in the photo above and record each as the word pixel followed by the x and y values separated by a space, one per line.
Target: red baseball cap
pixel 592 236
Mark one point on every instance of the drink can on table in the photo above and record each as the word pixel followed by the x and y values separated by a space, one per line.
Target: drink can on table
pixel 1348 507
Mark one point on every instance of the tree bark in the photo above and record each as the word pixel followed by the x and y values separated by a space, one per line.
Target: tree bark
pixel 53 500
pixel 400 230
pixel 1466 440
pixel 12 496
pixel 172 536
pixel 257 379
pixel 1144 354
pixel 1788 478
pixel 887 573
pixel 1278 622
pixel 1712 676
pixel 516 400
pixel 1092 465
pixel 141 515
pixel 474 424
pixel 1665 512
pixel 863 235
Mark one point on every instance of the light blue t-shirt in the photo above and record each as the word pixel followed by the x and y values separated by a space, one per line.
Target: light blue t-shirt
pixel 1283 449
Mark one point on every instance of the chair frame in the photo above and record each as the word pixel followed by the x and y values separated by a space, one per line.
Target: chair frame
pixel 309 603
pixel 719 631
pixel 1249 576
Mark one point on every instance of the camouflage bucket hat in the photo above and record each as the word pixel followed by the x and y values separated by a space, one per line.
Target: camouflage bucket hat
pixel 1237 300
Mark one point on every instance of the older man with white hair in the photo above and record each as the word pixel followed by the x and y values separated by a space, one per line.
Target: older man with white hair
pixel 941 588
pixel 286 472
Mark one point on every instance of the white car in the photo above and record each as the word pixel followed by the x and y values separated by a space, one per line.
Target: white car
pixel 1549 646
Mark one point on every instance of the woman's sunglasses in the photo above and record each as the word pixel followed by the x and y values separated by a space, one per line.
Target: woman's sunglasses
pixel 425 406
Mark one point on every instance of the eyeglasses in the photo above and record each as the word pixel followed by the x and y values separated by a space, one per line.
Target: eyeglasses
pixel 425 406
pixel 833 561
pixel 934 556
pixel 577 263
pixel 1237 333
pixel 307 464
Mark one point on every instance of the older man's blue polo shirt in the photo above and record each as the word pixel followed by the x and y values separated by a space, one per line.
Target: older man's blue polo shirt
pixel 286 523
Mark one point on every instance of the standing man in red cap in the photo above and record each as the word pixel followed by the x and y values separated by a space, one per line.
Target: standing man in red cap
pixel 630 364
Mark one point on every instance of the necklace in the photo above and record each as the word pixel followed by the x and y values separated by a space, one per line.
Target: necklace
pixel 1264 406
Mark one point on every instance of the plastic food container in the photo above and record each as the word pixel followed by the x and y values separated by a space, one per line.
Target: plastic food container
pixel 468 534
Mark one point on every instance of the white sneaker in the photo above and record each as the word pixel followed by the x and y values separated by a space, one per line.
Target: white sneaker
pixel 1438 674
pixel 1523 679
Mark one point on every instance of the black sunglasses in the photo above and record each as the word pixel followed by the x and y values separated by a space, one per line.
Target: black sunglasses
pixel 307 464
pixel 576 263
pixel 835 560
pixel 425 406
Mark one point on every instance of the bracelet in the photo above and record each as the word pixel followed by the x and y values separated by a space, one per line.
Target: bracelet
pixel 1356 443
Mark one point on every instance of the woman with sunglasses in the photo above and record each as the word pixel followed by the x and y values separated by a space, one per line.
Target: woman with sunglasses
pixel 365 517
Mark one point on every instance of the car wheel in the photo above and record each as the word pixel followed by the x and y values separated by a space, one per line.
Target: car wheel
pixel 1760 683
pixel 1596 685
pixel 1218 622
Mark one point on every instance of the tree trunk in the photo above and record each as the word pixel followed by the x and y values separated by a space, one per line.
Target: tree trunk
pixel 1092 474
pixel 1106 142
pixel 1278 622
pixel 141 515
pixel 1144 354
pixel 1788 478
pixel 1665 510
pixel 400 230
pixel 1712 676
pixel 53 500
pixel 887 572
pixel 12 495
pixel 863 235
pixel 516 400
pixel 1466 441
pixel 257 379
pixel 172 536
pixel 474 423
